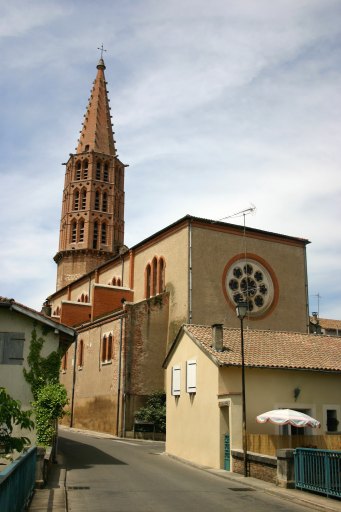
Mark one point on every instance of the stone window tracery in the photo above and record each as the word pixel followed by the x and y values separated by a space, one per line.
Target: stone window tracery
pixel 249 280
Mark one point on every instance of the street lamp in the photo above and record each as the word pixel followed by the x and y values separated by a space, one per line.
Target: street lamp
pixel 241 310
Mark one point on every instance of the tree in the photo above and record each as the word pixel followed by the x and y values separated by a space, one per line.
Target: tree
pixel 11 415
pixel 154 411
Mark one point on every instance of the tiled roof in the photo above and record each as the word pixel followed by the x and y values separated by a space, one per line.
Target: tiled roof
pixel 327 323
pixel 5 302
pixel 272 349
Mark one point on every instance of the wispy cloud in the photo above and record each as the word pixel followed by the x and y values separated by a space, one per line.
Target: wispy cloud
pixel 216 105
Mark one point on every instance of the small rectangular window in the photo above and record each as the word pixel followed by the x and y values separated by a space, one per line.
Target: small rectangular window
pixel 176 380
pixel 332 421
pixel 12 347
pixel 191 376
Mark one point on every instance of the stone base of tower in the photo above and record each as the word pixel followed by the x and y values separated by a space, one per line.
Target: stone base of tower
pixel 77 263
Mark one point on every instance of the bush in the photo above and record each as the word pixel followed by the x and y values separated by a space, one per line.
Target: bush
pixel 154 411
pixel 49 407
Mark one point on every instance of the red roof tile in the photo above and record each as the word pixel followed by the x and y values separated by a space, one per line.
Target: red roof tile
pixel 272 349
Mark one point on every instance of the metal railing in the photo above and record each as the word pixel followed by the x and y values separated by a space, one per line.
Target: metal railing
pixel 318 471
pixel 17 482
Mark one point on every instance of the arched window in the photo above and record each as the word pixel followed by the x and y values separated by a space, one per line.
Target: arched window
pixel 148 275
pixel 154 276
pixel 106 172
pixel 86 148
pixel 118 281
pixel 161 275
pixel 86 298
pixel 81 230
pixel 104 349
pixel 73 231
pixel 64 362
pixel 85 169
pixel 113 281
pixel 105 202
pixel 95 235
pixel 98 170
pixel 78 171
pixel 103 233
pixel 109 350
pixel 76 200
pixel 83 206
pixel 97 197
pixel 82 297
pixel 80 354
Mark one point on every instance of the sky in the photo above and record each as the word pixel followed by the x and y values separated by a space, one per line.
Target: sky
pixel 217 106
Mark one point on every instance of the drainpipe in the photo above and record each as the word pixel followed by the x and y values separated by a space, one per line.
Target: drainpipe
pixel 119 378
pixel 190 277
pixel 73 384
pixel 306 287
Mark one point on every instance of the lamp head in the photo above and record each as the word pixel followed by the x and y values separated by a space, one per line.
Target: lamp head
pixel 242 309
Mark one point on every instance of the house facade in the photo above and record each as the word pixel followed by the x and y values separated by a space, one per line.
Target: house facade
pixel 282 370
pixel 17 323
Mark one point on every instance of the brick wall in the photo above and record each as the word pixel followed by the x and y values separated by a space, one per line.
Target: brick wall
pixel 258 466
pixel 75 313
pixel 106 299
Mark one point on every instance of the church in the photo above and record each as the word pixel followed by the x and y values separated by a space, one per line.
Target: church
pixel 128 304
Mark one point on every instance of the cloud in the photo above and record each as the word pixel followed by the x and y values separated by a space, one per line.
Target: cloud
pixel 216 105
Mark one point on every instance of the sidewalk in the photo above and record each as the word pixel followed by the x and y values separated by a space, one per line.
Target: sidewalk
pixel 53 496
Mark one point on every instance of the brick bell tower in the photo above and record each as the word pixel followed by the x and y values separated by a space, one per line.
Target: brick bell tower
pixel 92 220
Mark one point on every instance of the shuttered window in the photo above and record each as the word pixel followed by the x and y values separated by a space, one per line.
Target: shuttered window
pixel 191 376
pixel 12 347
pixel 176 380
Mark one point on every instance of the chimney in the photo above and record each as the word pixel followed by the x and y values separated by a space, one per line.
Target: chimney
pixel 217 337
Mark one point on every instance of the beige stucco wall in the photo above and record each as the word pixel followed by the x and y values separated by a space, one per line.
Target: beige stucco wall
pixel 212 250
pixel 95 382
pixel 173 249
pixel 272 389
pixel 11 376
pixel 196 427
pixel 193 421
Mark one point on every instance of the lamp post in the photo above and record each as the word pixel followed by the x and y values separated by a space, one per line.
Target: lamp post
pixel 241 310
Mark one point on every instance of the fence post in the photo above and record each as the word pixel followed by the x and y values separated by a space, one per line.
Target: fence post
pixel 285 468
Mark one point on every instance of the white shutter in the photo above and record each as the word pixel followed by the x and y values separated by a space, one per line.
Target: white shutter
pixel 191 375
pixel 176 380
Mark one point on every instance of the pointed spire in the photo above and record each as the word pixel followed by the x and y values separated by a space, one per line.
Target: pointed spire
pixel 97 134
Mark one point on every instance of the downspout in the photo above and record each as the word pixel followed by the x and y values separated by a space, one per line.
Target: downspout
pixel 73 384
pixel 119 378
pixel 190 276
pixel 306 287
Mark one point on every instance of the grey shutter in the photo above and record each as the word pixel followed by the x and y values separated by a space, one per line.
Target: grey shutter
pixel 14 348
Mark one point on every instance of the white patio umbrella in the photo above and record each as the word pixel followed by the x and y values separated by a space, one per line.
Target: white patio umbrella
pixel 288 417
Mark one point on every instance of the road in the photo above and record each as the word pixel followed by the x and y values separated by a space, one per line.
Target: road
pixel 114 475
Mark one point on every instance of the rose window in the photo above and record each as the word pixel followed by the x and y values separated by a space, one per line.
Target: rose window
pixel 251 282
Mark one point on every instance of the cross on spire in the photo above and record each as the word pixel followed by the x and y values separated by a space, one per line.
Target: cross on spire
pixel 102 50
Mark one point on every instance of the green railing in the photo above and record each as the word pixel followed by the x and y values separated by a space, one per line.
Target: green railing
pixel 318 471
pixel 17 482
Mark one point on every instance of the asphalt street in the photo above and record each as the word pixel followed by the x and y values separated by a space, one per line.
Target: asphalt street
pixel 116 475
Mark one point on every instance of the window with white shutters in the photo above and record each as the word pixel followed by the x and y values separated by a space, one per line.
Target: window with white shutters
pixel 191 376
pixel 176 380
